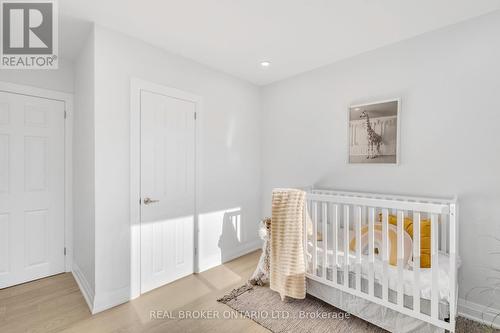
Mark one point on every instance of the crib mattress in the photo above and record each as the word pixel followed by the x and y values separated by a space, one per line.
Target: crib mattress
pixel 393 276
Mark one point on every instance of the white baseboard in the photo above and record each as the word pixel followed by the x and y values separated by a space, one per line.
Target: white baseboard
pixel 108 300
pixel 102 301
pixel 84 286
pixel 213 261
pixel 478 312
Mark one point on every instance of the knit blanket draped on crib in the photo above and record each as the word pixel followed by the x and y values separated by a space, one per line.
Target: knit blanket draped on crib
pixel 288 274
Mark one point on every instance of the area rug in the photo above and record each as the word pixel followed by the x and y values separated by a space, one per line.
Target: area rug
pixel 311 315
pixel 265 307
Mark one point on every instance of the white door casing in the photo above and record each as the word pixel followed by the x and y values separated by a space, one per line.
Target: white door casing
pixel 32 188
pixel 167 188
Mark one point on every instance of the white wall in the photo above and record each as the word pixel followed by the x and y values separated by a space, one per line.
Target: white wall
pixel 449 82
pixel 60 79
pixel 230 161
pixel 83 169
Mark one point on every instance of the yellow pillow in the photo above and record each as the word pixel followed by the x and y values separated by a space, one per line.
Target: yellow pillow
pixel 425 236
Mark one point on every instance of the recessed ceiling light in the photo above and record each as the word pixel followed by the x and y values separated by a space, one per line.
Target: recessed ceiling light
pixel 265 64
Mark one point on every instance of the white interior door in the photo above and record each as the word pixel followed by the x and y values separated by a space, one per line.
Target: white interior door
pixel 167 189
pixel 31 188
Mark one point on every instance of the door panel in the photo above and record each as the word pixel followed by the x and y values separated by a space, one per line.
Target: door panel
pixel 35 163
pixel 31 188
pixel 167 177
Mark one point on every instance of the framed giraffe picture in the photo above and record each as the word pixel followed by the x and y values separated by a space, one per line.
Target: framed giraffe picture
pixel 374 132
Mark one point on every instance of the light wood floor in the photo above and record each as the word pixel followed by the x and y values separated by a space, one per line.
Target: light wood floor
pixel 55 304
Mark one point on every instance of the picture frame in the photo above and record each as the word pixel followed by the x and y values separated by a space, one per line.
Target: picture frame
pixel 374 132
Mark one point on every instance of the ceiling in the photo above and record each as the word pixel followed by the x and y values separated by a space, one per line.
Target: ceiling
pixel 234 36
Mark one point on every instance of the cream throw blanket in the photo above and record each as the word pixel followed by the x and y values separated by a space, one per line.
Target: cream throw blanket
pixel 287 247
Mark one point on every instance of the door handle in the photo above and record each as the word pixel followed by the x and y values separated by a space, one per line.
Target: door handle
pixel 148 201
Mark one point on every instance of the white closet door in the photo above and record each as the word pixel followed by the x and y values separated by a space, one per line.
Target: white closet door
pixel 31 188
pixel 167 189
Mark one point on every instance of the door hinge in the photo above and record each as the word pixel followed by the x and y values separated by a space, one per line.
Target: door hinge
pixel 195 116
pixel 65 114
pixel 195 251
pixel 64 251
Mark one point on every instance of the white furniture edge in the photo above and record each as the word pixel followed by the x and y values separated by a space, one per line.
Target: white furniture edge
pixel 136 85
pixel 67 99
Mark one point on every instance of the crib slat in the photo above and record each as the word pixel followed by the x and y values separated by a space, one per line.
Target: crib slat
pixel 335 241
pixel 304 230
pixel 371 252
pixel 453 227
pixel 416 262
pixel 358 248
pixel 325 237
pixel 385 254
pixel 346 246
pixel 444 232
pixel 401 255
pixel 434 266
pixel 441 233
pixel 315 238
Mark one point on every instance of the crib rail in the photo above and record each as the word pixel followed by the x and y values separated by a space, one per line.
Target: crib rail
pixel 334 217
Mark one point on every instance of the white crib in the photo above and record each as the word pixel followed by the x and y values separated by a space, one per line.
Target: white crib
pixel 340 216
